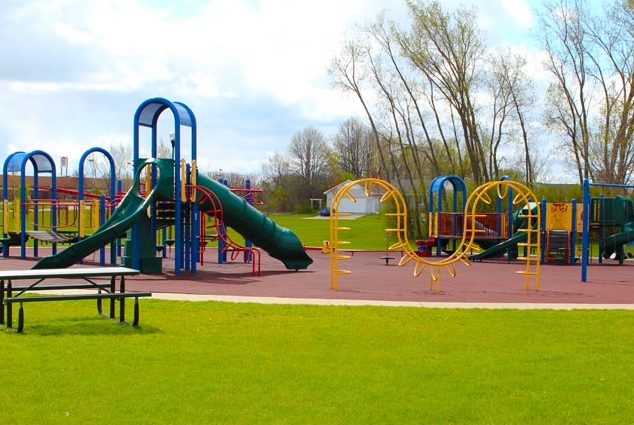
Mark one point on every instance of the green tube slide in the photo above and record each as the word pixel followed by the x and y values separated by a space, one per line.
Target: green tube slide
pixel 279 242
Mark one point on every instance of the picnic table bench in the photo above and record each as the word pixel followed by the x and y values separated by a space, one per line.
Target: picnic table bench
pixel 82 278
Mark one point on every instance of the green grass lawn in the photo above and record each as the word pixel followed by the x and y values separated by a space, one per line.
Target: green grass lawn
pixel 222 363
pixel 367 232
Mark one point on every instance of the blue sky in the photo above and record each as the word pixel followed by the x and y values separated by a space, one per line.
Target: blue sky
pixel 254 71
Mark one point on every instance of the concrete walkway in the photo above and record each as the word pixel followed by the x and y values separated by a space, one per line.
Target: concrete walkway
pixel 314 301
pixel 346 302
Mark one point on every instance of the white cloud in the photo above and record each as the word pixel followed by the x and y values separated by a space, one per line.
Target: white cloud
pixel 519 11
pixel 254 73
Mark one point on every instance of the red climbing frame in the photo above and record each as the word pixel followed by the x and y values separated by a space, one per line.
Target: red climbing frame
pixel 216 214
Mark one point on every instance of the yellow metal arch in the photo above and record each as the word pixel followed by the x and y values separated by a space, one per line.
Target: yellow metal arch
pixel 524 196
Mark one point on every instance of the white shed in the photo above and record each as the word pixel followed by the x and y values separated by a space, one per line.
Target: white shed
pixel 363 205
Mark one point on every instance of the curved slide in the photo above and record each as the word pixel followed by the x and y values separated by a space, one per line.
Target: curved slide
pixel 279 242
pixel 499 248
pixel 613 244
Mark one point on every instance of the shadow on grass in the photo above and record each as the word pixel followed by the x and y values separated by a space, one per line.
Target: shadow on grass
pixel 86 326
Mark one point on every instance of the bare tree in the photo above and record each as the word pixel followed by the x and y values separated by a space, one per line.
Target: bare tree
pixel 355 149
pixel 276 169
pixel 591 103
pixel 612 150
pixel 447 49
pixel 309 155
pixel 347 73
pixel 386 37
pixel 522 99
pixel 563 37
pixel 512 93
pixel 122 156
pixel 497 82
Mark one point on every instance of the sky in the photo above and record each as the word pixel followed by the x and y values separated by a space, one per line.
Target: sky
pixel 254 72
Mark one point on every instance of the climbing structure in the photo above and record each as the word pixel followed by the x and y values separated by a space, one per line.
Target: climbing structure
pixel 485 193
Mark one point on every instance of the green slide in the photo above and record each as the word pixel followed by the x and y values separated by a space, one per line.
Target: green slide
pixel 519 222
pixel 613 244
pixel 279 242
pixel 499 248
pixel 128 212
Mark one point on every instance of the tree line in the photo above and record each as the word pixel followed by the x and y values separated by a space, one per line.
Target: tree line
pixel 438 100
pixel 436 89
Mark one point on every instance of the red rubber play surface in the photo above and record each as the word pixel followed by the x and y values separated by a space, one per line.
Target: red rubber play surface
pixel 371 279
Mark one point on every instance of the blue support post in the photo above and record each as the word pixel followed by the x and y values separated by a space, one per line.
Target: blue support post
pixel 585 241
pixel 573 232
pixel 222 257
pixel 187 243
pixel 601 225
pixel 498 221
pixel 249 199
pixel 36 213
pixel 117 247
pixel 23 198
pixel 441 190
pixel 222 232
pixel 542 228
pixel 54 209
pixel 102 220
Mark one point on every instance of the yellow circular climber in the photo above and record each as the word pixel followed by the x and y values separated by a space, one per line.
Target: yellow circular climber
pixel 523 197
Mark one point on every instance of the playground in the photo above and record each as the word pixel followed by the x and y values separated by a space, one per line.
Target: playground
pixel 499 244
pixel 364 354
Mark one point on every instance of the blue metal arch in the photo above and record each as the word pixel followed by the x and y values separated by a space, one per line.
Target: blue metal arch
pixel 11 164
pixel 113 192
pixel 147 115
pixel 82 161
pixel 438 187
pixel 192 125
pixel 42 163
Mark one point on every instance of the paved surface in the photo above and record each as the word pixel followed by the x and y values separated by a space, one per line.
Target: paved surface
pixel 484 285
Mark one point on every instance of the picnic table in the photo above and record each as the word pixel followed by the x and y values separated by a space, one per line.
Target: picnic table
pixel 74 278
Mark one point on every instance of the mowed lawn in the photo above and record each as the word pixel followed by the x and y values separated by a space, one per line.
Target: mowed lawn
pixel 223 363
pixel 366 232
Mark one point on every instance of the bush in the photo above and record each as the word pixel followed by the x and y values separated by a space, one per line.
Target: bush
pixel 302 207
